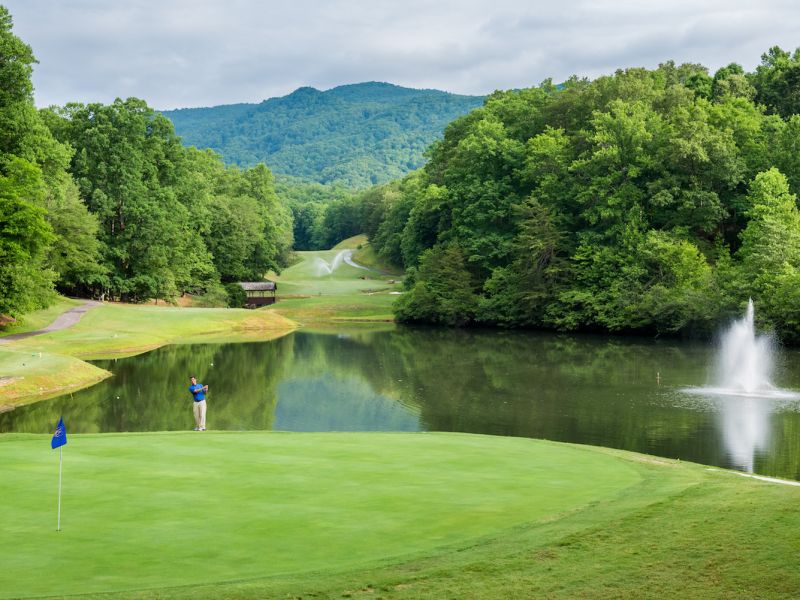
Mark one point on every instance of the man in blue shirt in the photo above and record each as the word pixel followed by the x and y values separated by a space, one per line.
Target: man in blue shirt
pixel 199 390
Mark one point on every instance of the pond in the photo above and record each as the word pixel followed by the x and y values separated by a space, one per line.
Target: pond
pixel 627 393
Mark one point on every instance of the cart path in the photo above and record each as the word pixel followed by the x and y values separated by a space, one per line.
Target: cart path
pixel 64 320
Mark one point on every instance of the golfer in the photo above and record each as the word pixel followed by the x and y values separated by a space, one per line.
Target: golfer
pixel 199 390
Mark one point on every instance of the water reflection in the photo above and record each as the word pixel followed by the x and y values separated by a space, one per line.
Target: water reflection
pixel 616 392
pixel 746 429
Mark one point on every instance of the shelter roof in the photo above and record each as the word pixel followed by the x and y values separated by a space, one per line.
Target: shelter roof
pixel 256 286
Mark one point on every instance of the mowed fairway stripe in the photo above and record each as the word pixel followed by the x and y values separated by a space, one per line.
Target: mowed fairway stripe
pixel 158 510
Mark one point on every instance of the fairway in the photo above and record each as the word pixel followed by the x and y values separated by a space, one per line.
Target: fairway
pixel 310 276
pixel 145 511
pixel 311 295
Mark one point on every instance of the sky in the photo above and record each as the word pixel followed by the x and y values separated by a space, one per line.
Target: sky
pixel 189 53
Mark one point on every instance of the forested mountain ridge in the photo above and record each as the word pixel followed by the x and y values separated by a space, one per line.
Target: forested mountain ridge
pixel 355 135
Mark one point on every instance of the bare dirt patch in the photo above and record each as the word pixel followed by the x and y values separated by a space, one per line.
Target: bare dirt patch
pixel 4 380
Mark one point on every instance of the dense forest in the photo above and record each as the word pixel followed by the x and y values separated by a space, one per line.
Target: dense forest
pixel 352 135
pixel 647 201
pixel 104 201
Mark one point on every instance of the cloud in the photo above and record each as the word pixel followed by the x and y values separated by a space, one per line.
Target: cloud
pixel 176 53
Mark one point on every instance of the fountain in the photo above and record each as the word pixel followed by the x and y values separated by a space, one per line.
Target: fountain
pixel 743 392
pixel 745 363
pixel 323 267
pixel 745 360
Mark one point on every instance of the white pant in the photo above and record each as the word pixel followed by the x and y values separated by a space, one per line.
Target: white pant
pixel 200 414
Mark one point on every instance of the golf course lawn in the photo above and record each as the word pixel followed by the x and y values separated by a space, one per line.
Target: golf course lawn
pixel 254 515
pixel 348 295
pixel 266 515
pixel 46 365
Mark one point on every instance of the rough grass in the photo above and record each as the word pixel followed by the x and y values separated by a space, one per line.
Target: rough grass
pixel 269 515
pixel 366 256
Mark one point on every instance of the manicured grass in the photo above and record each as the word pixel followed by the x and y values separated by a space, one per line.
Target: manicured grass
pixel 25 375
pixel 118 330
pixel 351 243
pixel 315 311
pixel 313 297
pixel 271 515
pixel 159 510
pixel 114 329
pixel 366 256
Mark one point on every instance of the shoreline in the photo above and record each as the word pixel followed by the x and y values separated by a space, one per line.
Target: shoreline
pixel 49 363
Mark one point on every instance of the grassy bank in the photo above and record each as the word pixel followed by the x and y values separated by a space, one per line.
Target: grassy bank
pixel 270 515
pixel 40 318
pixel 118 330
pixel 318 297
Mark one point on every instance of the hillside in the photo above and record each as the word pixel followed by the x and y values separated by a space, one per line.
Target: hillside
pixel 355 135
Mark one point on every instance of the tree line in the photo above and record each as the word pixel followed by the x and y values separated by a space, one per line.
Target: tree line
pixel 104 201
pixel 647 201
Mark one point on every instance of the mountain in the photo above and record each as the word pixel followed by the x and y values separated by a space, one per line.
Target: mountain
pixel 354 135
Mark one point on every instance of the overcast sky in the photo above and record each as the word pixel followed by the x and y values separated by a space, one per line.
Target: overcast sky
pixel 180 53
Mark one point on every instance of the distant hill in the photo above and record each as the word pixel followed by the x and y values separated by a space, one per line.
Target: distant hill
pixel 354 135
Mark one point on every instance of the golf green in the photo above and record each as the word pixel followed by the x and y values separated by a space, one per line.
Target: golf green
pixel 143 511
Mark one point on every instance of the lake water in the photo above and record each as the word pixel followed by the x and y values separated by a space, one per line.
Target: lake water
pixel 618 392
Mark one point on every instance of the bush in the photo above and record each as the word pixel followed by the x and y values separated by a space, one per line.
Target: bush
pixel 237 297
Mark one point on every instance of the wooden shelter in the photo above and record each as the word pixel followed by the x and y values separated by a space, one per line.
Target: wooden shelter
pixel 259 293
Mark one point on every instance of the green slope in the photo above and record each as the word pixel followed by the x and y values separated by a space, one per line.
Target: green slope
pixel 274 515
pixel 356 135
pixel 158 510
pixel 312 296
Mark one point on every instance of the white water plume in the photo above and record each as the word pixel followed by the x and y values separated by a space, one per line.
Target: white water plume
pixel 745 363
pixel 743 392
pixel 323 267
pixel 745 359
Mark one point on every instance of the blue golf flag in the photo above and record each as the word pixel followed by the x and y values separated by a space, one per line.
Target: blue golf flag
pixel 60 436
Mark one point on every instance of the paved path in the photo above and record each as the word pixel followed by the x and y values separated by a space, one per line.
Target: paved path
pixel 64 320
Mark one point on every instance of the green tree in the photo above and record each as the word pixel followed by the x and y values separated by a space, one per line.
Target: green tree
pixel 769 258
pixel 75 252
pixel 519 294
pixel 25 235
pixel 29 166
pixel 308 219
pixel 777 81
pixel 443 292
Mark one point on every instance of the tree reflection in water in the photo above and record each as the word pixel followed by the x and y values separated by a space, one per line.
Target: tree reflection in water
pixel 615 392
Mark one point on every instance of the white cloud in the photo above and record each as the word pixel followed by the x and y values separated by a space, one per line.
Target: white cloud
pixel 176 53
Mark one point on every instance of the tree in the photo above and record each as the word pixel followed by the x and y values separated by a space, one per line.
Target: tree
pixel 75 251
pixel 520 293
pixel 769 258
pixel 25 150
pixel 443 291
pixel 25 235
pixel 307 221
pixel 777 82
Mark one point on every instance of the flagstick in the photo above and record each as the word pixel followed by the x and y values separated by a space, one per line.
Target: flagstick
pixel 60 462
